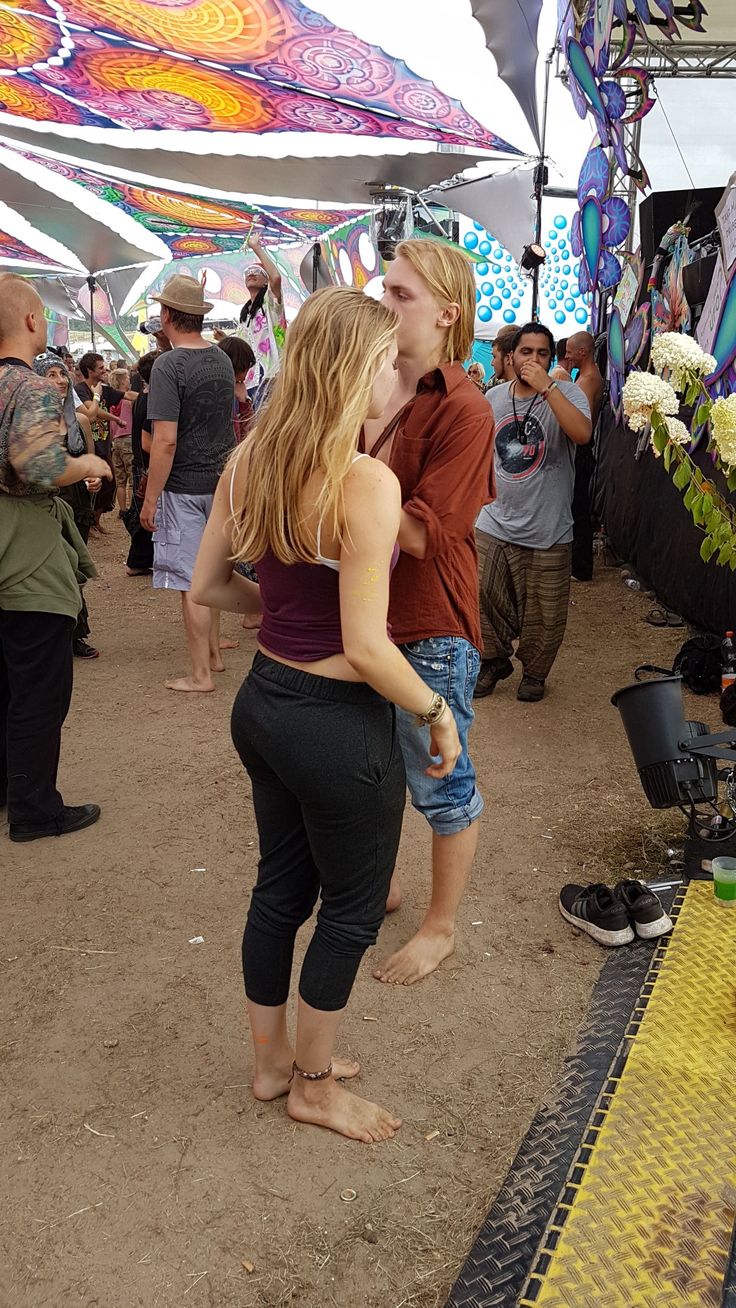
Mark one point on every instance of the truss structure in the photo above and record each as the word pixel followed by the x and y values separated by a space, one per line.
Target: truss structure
pixel 686 59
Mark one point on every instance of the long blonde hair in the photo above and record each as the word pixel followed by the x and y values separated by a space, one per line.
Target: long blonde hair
pixel 311 421
pixel 449 275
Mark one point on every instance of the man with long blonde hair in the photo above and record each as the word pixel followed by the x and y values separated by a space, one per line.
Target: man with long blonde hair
pixel 437 435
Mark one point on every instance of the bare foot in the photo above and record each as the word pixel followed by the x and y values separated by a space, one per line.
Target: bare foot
pixel 277 1081
pixel 329 1104
pixel 189 684
pixel 395 897
pixel 216 663
pixel 251 622
pixel 421 956
pixel 226 643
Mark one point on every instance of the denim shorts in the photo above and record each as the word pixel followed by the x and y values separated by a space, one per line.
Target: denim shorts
pixel 450 666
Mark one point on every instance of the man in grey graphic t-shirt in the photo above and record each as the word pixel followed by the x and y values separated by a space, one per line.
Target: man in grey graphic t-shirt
pixel 190 406
pixel 524 537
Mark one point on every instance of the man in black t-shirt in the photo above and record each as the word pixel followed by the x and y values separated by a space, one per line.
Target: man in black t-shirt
pixel 98 402
pixel 190 403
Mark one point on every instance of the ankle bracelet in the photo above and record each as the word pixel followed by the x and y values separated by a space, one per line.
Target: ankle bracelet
pixel 312 1076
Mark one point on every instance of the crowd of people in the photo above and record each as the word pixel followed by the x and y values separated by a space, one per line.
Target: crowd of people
pixel 394 529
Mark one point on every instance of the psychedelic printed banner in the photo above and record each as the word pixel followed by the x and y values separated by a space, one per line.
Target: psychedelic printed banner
pixel 192 224
pixel 210 65
pixel 12 248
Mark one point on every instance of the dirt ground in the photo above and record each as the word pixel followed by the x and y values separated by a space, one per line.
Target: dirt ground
pixel 138 1169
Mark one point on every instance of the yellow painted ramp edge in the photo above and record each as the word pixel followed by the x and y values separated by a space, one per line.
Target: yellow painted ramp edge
pixel 651 1203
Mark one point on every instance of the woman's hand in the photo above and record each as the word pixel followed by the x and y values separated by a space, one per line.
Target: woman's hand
pixel 93 484
pixel 444 741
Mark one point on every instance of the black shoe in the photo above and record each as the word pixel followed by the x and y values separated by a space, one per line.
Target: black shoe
pixel 491 672
pixel 82 650
pixel 644 909
pixel 69 819
pixel 531 690
pixel 597 910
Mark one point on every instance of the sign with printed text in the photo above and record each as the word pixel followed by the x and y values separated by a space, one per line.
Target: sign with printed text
pixel 726 219
pixel 705 332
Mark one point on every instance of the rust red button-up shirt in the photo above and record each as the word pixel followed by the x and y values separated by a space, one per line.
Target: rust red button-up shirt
pixel 442 454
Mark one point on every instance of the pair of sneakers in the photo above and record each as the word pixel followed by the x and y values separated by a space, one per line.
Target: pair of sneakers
pixel 614 916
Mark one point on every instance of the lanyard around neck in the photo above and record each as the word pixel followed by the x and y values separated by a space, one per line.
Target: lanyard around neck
pixel 521 426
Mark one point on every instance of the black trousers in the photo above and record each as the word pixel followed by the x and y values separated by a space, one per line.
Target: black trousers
pixel 140 554
pixel 35 693
pixel 329 790
pixel 582 514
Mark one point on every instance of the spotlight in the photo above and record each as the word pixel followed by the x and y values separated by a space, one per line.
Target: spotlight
pixel 392 219
pixel 533 257
pixel 677 765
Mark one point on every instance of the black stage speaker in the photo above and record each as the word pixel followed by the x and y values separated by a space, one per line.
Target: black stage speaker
pixel 663 208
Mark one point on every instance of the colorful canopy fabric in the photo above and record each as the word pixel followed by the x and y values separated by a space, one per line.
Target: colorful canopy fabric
pixel 215 65
pixel 193 224
pixel 12 248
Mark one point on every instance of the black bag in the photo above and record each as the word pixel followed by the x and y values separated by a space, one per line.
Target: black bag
pixel 698 662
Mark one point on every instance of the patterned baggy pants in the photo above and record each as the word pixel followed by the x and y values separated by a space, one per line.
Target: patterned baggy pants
pixel 524 596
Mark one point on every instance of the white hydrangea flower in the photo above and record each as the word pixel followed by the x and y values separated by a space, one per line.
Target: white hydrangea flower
pixel 637 420
pixel 681 357
pixel 644 391
pixel 723 427
pixel 678 432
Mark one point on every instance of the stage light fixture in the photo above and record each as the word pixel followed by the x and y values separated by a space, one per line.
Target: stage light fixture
pixel 533 257
pixel 677 762
pixel 392 219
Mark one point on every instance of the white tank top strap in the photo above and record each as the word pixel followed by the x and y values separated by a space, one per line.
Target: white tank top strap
pixel 320 557
pixel 232 487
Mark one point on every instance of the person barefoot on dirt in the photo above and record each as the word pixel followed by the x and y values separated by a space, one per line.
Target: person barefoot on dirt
pixel 314 722
pixel 190 406
pixel 436 434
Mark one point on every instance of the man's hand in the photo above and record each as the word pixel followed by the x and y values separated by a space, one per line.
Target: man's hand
pixel 534 375
pixel 93 484
pixel 96 468
pixel 148 514
pixel 219 334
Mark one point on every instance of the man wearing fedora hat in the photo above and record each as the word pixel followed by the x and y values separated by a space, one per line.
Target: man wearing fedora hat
pixel 190 407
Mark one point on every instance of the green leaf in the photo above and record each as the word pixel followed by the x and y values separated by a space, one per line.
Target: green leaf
pixel 731 480
pixel 725 552
pixel 696 508
pixel 707 505
pixel 682 477
pixel 692 392
pixel 712 521
pixel 732 563
pixel 707 549
pixel 691 494
pixel 667 456
pixel 660 437
pixel 702 413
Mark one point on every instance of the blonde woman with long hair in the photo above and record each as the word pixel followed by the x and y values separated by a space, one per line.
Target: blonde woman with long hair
pixel 314 721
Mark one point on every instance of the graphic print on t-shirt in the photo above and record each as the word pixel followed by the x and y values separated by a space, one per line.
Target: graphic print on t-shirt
pixel 520 447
